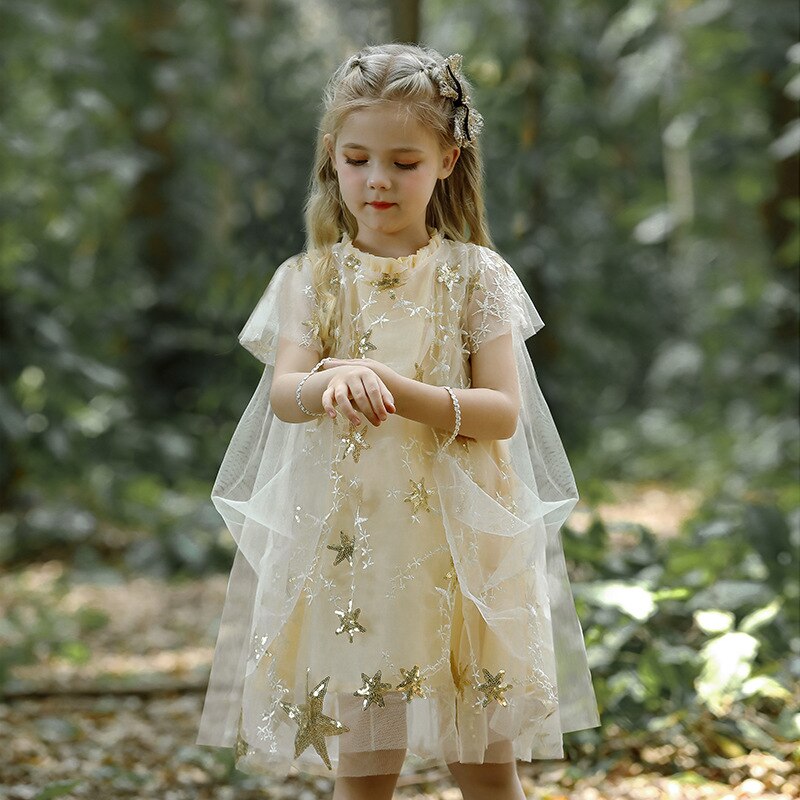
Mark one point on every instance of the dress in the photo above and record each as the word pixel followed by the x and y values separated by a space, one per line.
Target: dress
pixel 388 593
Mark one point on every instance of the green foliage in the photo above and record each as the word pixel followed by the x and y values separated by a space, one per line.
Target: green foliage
pixel 35 627
pixel 688 637
pixel 639 177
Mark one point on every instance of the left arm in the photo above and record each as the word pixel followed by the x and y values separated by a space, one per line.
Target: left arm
pixel 489 409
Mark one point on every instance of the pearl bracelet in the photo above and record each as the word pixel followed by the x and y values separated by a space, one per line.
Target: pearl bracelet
pixel 300 388
pixel 457 408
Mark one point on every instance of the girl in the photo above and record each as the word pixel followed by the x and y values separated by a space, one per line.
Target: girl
pixel 396 485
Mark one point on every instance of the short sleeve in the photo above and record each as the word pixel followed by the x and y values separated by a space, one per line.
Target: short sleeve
pixel 288 307
pixel 496 302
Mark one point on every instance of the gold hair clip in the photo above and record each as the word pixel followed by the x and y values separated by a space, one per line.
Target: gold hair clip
pixel 467 122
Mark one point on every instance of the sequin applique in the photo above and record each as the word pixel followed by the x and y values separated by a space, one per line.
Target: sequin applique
pixel 350 623
pixel 344 550
pixel 493 688
pixel 373 690
pixel 411 683
pixel 312 725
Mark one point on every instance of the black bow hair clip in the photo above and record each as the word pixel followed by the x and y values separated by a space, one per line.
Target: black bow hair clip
pixel 467 122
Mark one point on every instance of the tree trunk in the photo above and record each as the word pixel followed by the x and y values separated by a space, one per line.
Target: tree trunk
pixel 405 20
pixel 780 227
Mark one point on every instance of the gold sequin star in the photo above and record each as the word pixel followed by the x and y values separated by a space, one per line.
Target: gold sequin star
pixel 351 262
pixel 449 275
pixel 364 344
pixel 313 323
pixel 345 549
pixel 312 725
pixel 419 372
pixel 354 442
pixel 418 496
pixel 388 281
pixel 350 622
pixel 373 690
pixel 493 688
pixel 411 683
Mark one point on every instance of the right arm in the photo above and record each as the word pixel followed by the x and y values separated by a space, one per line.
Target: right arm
pixel 292 362
pixel 353 384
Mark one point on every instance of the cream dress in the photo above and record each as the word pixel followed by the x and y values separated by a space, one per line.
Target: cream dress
pixel 390 595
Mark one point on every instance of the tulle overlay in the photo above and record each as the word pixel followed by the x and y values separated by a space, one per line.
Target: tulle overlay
pixel 388 594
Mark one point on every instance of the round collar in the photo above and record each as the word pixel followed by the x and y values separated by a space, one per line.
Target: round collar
pixel 350 254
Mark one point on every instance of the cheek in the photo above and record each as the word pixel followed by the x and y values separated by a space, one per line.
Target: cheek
pixel 421 182
pixel 348 180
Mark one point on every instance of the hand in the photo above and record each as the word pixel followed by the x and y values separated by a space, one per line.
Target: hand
pixel 355 382
pixel 383 371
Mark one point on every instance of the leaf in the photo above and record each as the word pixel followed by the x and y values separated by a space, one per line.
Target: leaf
pixel 761 617
pixel 764 686
pixel 731 596
pixel 632 599
pixel 728 662
pixel 57 790
pixel 714 621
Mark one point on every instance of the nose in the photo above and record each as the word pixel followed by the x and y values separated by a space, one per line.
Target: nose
pixel 378 178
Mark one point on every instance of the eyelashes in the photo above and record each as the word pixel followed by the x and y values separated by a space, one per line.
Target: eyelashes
pixel 358 163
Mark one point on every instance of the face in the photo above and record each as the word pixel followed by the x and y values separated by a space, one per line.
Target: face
pixel 383 155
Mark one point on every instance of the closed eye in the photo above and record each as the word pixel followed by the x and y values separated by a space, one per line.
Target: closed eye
pixel 358 163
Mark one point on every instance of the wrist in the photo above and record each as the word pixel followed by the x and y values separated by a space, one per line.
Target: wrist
pixel 312 411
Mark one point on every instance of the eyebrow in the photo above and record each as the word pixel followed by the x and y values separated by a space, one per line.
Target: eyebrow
pixel 394 149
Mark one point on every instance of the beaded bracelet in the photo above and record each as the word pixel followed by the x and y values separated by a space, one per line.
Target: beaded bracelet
pixel 300 388
pixel 457 408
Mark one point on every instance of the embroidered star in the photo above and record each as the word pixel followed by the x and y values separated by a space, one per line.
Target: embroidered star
pixel 313 324
pixel 473 283
pixel 364 344
pixel 354 442
pixel 493 688
pixel 350 622
pixel 452 577
pixel 411 683
pixel 373 690
pixel 351 262
pixel 312 725
pixel 449 275
pixel 418 496
pixel 419 372
pixel 344 550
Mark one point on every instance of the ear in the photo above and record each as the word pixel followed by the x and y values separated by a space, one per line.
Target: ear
pixel 328 141
pixel 449 159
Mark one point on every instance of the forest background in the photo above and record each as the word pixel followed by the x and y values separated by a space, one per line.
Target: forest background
pixel 642 178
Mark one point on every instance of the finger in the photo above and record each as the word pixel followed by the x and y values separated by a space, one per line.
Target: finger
pixel 361 398
pixel 327 402
pixel 388 399
pixel 341 393
pixel 375 395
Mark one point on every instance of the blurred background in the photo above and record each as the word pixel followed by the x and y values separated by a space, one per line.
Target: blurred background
pixel 642 164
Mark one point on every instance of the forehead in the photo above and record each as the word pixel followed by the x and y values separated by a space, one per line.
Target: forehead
pixel 388 127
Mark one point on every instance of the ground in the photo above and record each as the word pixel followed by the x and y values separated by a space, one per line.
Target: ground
pixel 123 724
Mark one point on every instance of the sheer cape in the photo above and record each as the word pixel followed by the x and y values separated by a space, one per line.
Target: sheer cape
pixel 468 644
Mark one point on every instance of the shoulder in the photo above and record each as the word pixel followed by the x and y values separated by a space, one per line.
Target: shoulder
pixel 296 262
pixel 483 267
pixel 476 257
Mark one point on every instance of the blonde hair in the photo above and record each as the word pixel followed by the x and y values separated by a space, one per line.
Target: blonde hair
pixel 378 74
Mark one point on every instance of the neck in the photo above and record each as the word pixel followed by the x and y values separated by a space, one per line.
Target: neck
pixel 391 245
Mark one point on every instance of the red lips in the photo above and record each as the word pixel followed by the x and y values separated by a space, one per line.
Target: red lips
pixel 381 205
